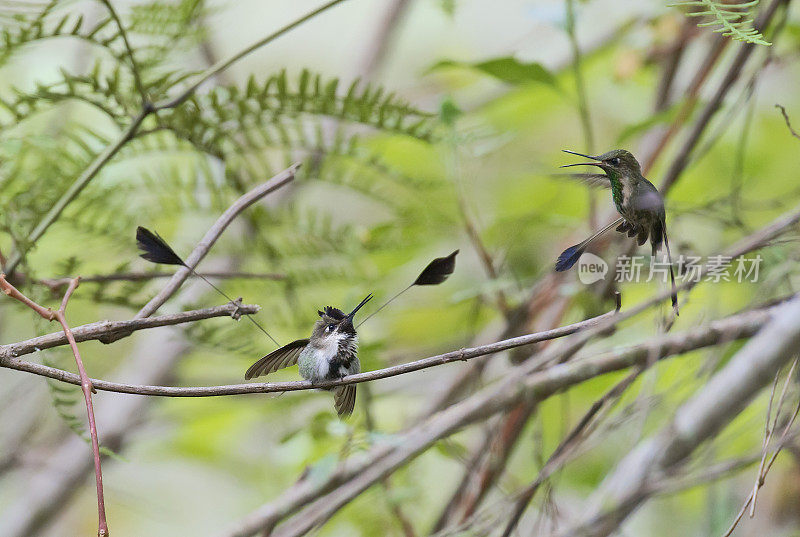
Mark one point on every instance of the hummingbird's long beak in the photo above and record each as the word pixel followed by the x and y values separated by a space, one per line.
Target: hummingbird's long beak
pixel 352 313
pixel 598 164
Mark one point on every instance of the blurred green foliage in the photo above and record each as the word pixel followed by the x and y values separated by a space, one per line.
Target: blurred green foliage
pixel 385 186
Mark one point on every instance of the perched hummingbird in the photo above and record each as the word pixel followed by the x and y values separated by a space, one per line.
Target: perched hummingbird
pixel 332 350
pixel 637 200
pixel 329 354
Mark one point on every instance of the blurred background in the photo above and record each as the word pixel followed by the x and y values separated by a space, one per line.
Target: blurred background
pixel 423 126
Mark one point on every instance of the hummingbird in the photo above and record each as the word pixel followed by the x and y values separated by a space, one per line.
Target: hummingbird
pixel 330 353
pixel 636 199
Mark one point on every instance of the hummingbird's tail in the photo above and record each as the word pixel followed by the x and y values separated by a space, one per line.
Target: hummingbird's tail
pixel 671 275
pixel 570 256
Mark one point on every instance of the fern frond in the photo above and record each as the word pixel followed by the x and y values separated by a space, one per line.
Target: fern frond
pixel 730 19
pixel 101 34
pixel 235 110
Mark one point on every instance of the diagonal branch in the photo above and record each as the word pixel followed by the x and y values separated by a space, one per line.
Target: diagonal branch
pixel 786 120
pixel 283 178
pixel 721 400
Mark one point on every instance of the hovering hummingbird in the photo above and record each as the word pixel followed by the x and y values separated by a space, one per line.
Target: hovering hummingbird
pixel 331 352
pixel 637 200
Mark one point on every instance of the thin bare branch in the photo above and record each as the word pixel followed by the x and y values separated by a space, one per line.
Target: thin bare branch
pixel 762 472
pixel 788 123
pixel 118 329
pixel 770 432
pixel 273 387
pixel 568 444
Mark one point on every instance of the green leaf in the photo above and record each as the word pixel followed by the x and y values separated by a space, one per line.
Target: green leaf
pixel 507 69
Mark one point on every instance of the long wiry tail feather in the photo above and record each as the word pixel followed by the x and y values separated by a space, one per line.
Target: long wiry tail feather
pixel 671 275
pixel 156 250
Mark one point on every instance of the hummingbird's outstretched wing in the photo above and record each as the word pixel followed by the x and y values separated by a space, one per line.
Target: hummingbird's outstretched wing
pixel 278 359
pixel 344 399
pixel 597 180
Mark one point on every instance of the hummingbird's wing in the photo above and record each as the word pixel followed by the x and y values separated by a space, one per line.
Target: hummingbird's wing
pixel 649 200
pixel 344 399
pixel 278 359
pixel 596 180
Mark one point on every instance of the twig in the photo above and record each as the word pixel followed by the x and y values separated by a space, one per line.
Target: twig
pixel 118 329
pixel 762 475
pixel 678 483
pixel 84 382
pixel 769 432
pixel 273 387
pixel 281 179
pixel 570 442
pixel 788 123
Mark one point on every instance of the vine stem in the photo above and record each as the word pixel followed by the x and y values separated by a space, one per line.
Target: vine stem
pixel 85 382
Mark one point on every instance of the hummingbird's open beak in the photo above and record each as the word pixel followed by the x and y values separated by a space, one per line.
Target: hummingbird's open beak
pixel 596 163
pixel 352 313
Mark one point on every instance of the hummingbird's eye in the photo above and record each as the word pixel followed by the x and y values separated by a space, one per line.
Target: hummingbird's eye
pixel 329 328
pixel 614 161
